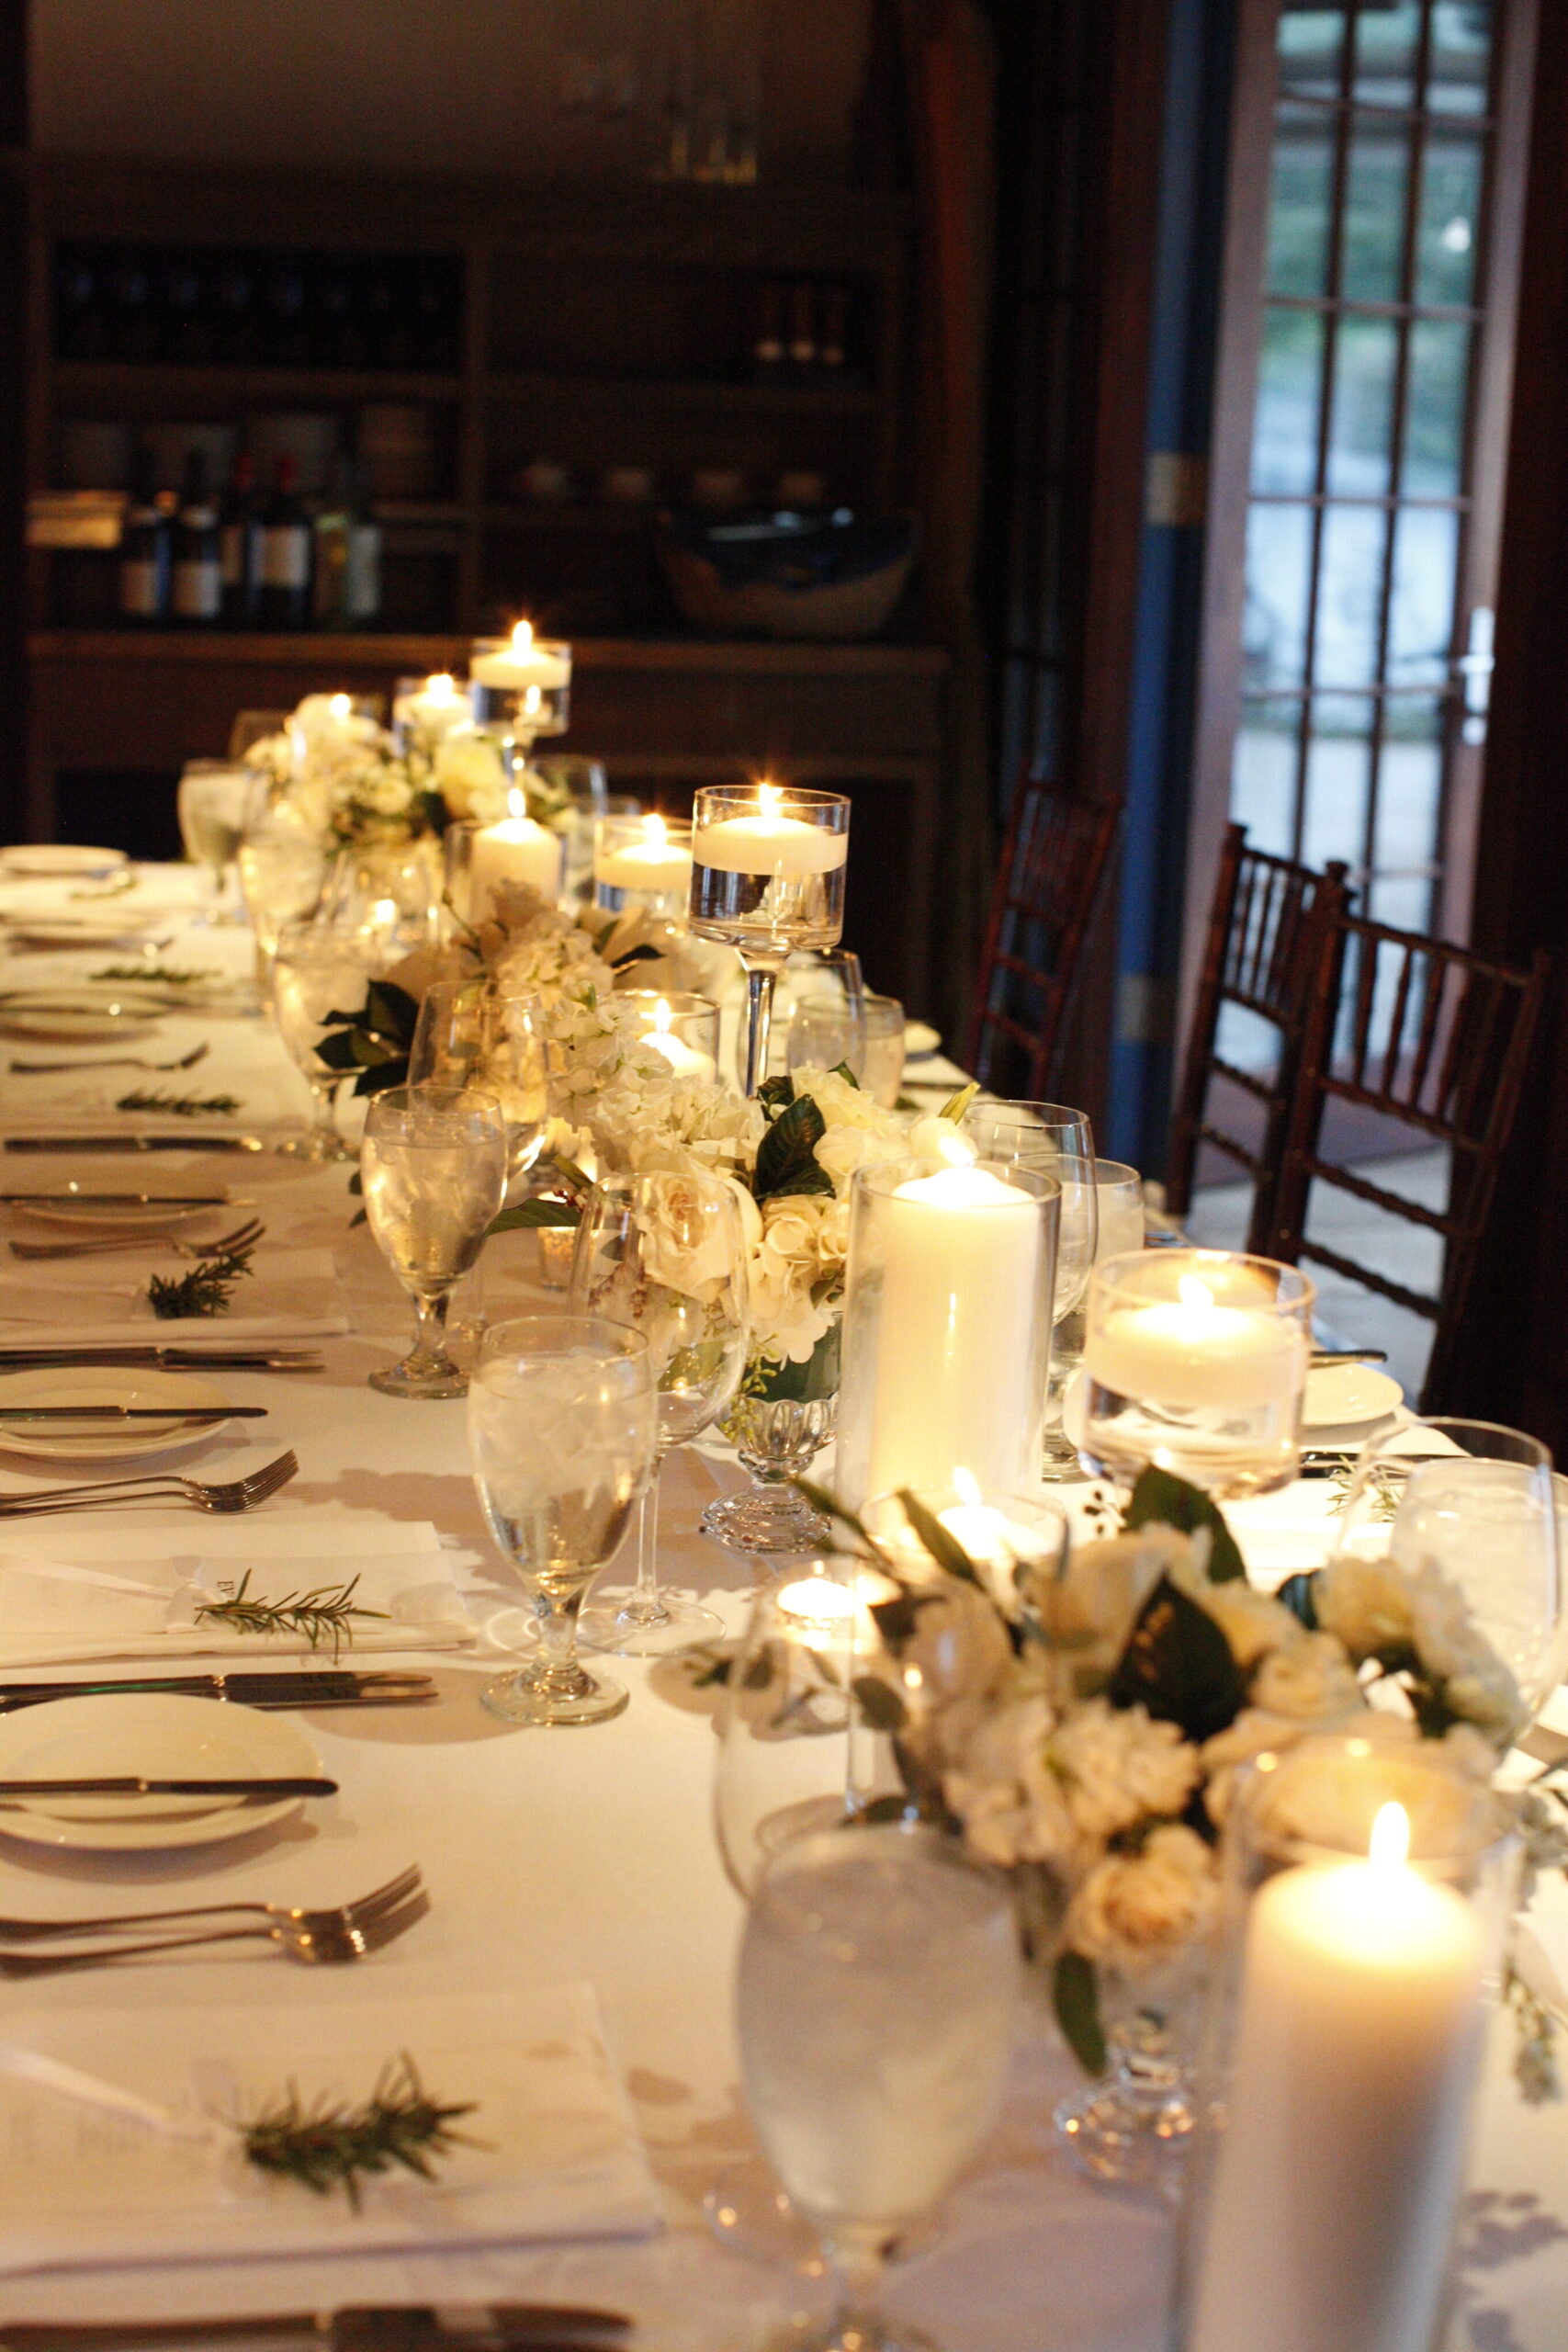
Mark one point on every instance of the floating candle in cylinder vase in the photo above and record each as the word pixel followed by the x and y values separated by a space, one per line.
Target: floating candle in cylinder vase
pixel 678 1024
pixel 947 1328
pixel 515 850
pixel 767 877
pixel 425 710
pixel 643 861
pixel 523 677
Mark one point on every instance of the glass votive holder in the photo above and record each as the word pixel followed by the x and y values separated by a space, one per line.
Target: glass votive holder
pixel 1366 1885
pixel 477 859
pixel 642 862
pixel 682 1026
pixel 425 710
pixel 1018 1542
pixel 948 1292
pixel 522 682
pixel 1195 1362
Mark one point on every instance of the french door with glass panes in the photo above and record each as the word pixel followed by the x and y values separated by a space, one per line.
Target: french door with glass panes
pixel 1359 449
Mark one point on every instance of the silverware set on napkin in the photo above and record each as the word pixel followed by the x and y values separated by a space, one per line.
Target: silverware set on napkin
pixel 111 1061
pixel 243 1237
pixel 156 1485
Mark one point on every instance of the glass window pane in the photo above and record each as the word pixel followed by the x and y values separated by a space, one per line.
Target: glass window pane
pixel 1337 771
pixel 1299 205
pixel 1461 56
pixel 1263 774
pixel 1436 402
pixel 1425 556
pixel 1311 48
pixel 1387 43
pixel 1349 594
pixel 1279 586
pixel 1404 839
pixel 1284 439
pixel 1450 213
pixel 1377 173
pixel 1361 423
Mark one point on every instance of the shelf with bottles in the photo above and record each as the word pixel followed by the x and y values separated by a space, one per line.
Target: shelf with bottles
pixel 152 385
pixel 677 392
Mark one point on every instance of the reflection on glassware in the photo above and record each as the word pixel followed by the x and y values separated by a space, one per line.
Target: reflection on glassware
pixel 1478 1503
pixel 434 1169
pixel 832 972
pixel 767 867
pixel 777 1437
pixel 587 788
pixel 316 972
pixel 562 1419
pixel 866 1034
pixel 877 1985
pixel 1197 1362
pixel 666 1254
pixel 386 895
pixel 211 802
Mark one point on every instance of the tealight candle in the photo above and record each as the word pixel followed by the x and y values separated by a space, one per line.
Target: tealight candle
pixel 649 860
pixel 521 662
pixel 990 1538
pixel 768 842
pixel 1359 2034
pixel 515 850
pixel 1194 1352
pixel 433 709
pixel 686 1061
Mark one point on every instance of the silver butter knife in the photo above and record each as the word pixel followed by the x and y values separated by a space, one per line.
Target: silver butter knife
pixel 75 1198
pixel 388 2327
pixel 256 1358
pixel 131 1785
pixel 134 1143
pixel 9 1413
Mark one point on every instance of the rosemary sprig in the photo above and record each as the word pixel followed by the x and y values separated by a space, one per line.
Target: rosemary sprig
pixel 165 975
pixel 328 2144
pixel 206 1290
pixel 325 1614
pixel 177 1106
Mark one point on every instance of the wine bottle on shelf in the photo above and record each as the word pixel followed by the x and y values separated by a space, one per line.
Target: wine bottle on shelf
pixel 239 547
pixel 196 569
pixel 346 592
pixel 284 601
pixel 144 553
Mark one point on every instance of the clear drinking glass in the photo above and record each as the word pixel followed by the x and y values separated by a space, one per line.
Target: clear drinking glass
pixel 1196 1361
pixel 874 2003
pixel 667 1255
pixel 434 1169
pixel 316 972
pixel 768 868
pixel 1119 1205
pixel 211 803
pixel 282 867
pixel 1055 1140
pixel 865 1032
pixel 388 895
pixel 1478 1503
pixel 562 1419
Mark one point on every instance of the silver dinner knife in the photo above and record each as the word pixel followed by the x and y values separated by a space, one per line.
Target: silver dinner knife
pixel 9 1413
pixel 134 1143
pixel 388 2327
pixel 127 1784
pixel 75 1199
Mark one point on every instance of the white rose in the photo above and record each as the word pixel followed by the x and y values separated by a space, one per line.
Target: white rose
pixel 1252 1622
pixel 1134 1909
pixel 1087 1612
pixel 1119 1764
pixel 1003 1791
pixel 682 1243
pixel 470 770
pixel 1309 1677
pixel 1367 1604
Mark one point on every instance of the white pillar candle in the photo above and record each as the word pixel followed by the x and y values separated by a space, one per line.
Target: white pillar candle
pixel 769 842
pixel 947 1367
pixel 653 862
pixel 1190 1352
pixel 1357 2047
pixel 516 850
pixel 522 664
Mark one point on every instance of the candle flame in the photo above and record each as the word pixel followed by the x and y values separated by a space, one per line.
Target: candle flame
pixel 341 706
pixel 516 803
pixel 661 1017
pixel 957 1150
pixel 967 1486
pixel 1391 1837
pixel 768 798
pixel 1193 1293
pixel 442 686
pixel 654 831
pixel 522 637
pixel 385 912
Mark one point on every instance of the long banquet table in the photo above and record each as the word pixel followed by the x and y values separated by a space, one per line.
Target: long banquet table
pixel 591 1855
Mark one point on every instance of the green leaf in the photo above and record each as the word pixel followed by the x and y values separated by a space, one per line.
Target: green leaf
pixel 842 1069
pixel 392 1011
pixel 783 1381
pixel 880 1703
pixel 1179 1665
pixel 1074 1994
pixel 642 954
pixel 1161 1497
pixel 957 1104
pixel 775 1094
pixel 786 1162
pixel 379 1076
pixel 534 1213
pixel 940 1542
pixel 336 1049
pixel 1299 1595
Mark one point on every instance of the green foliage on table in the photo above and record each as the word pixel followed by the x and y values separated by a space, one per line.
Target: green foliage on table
pixel 1179 1666
pixel 178 1106
pixel 327 1614
pixel 1160 1496
pixel 786 1157
pixel 206 1290
pixel 1074 1996
pixel 376 1041
pixel 327 2145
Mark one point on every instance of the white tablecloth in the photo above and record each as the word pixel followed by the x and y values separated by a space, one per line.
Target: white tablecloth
pixel 590 1855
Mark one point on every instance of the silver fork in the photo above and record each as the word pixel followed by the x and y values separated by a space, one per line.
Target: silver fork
pixel 338 1915
pixel 111 1061
pixel 330 1947
pixel 102 1494
pixel 242 1238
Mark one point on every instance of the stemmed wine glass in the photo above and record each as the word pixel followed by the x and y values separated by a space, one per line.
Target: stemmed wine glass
pixel 469 1033
pixel 667 1255
pixel 874 2002
pixel 768 865
pixel 315 973
pixel 282 867
pixel 433 1168
pixel 562 1422
pixel 211 804
pixel 1055 1141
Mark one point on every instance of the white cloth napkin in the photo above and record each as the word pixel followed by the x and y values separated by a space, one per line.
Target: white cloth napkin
pixel 561 2157
pixel 289 1295
pixel 69 1594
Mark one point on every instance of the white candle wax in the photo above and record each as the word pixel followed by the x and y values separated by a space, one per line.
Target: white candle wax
pixel 654 863
pixel 769 843
pixel 685 1061
pixel 990 1537
pixel 522 664
pixel 438 706
pixel 515 850
pixel 1357 2047
pixel 1192 1352
pixel 956 1360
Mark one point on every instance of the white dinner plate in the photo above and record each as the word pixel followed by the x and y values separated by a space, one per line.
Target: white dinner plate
pixel 78 1016
pixel 124 1216
pixel 109 1439
pixel 1349 1395
pixel 921 1039
pixel 69 936
pixel 62 861
pixel 160 1739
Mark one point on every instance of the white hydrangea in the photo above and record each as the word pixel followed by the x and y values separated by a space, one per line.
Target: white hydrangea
pixel 1004 1791
pixel 1367 1604
pixel 1118 1765
pixel 1308 1677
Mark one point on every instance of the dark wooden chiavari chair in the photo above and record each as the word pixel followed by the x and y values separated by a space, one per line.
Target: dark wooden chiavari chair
pixel 1265 923
pixel 1437 1041
pixel 1054 866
